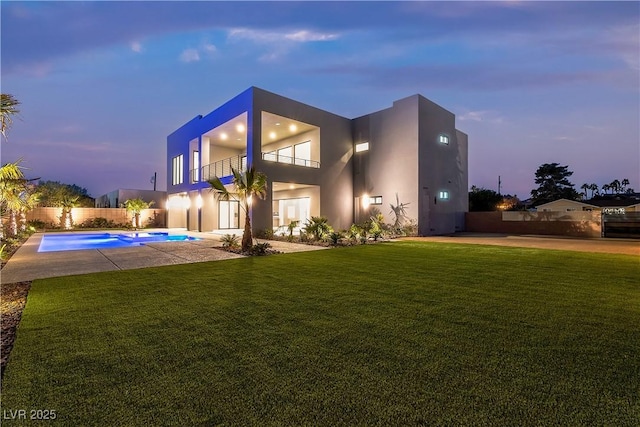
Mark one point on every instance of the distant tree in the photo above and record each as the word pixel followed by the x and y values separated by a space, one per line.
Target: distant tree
pixel 8 109
pixel 553 184
pixel 615 186
pixel 136 206
pixel 483 200
pixel 606 188
pixel 54 193
pixel 623 185
pixel 594 190
pixel 585 187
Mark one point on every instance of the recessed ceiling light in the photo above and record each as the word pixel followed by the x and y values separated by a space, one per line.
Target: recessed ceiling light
pixel 240 127
pixel 293 128
pixel 272 135
pixel 291 187
pixel 278 124
pixel 224 136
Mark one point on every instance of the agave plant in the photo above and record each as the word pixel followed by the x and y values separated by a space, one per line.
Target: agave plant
pixel 230 241
pixel 318 227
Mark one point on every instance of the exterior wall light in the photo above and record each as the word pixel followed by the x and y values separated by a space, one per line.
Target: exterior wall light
pixel 199 201
pixel 365 201
pixel 363 146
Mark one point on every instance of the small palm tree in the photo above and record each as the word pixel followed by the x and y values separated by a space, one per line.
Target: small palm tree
pixel 12 185
pixel 246 185
pixel 8 109
pixel 136 206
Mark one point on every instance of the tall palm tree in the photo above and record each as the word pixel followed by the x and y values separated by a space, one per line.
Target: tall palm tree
pixel 12 184
pixel 246 185
pixel 594 189
pixel 585 187
pixel 606 188
pixel 615 186
pixel 623 185
pixel 8 109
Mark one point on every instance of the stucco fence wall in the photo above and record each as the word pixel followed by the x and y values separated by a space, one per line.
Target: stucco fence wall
pixel 117 215
pixel 575 224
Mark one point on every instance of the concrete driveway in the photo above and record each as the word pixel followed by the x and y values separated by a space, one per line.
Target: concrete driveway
pixel 612 246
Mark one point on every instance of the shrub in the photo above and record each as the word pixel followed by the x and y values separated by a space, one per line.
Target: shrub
pixel 230 241
pixel 318 227
pixel 98 222
pixel 335 237
pixel 260 248
pixel 37 224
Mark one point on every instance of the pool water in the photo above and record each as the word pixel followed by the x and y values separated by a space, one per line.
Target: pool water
pixel 74 242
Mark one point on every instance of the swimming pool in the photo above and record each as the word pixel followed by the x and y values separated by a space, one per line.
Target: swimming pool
pixel 79 241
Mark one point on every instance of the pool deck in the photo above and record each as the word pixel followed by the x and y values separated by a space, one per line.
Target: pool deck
pixel 28 264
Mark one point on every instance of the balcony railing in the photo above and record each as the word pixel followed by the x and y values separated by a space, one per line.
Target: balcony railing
pixel 221 168
pixel 275 157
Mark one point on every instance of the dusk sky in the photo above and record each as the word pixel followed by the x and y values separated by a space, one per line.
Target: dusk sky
pixel 102 84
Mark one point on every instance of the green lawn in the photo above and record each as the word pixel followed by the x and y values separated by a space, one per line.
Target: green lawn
pixel 403 333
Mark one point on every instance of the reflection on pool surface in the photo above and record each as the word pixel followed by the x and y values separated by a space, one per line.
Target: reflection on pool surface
pixel 74 242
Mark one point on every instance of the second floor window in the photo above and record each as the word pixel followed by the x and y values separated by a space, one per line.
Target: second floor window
pixel 177 169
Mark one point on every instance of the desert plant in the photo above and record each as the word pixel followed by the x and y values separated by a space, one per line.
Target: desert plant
pixel 400 212
pixel 260 248
pixel 318 227
pixel 335 237
pixel 230 241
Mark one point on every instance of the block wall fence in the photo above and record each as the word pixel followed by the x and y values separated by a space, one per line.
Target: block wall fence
pixel 574 224
pixel 117 215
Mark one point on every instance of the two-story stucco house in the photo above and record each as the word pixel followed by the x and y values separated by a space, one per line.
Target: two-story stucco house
pixel 319 163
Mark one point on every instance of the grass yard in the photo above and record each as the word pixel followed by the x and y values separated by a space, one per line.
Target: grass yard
pixel 406 333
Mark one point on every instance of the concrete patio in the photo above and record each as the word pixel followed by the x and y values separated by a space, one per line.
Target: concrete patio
pixel 29 264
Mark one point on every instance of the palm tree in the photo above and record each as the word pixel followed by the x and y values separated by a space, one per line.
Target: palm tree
pixel 12 184
pixel 615 186
pixel 606 188
pixel 245 185
pixel 585 187
pixel 594 190
pixel 623 185
pixel 136 206
pixel 8 109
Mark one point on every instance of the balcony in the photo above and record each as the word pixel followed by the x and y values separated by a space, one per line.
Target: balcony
pixel 278 158
pixel 221 168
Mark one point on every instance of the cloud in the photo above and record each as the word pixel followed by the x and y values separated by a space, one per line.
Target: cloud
pixel 136 47
pixel 190 55
pixel 486 116
pixel 269 36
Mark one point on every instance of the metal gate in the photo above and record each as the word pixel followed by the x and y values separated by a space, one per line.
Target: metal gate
pixel 617 222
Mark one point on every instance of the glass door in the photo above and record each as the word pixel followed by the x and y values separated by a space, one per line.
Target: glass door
pixel 228 214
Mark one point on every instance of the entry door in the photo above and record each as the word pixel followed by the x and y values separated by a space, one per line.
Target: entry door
pixel 229 213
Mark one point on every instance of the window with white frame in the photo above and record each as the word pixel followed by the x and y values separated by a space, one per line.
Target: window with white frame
pixel 177 170
pixel 195 177
pixel 443 139
pixel 443 195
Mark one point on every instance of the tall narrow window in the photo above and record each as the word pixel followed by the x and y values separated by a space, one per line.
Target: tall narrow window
pixel 444 195
pixel 196 167
pixel 178 170
pixel 443 139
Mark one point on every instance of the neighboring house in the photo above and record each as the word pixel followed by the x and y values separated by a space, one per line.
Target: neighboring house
pixel 566 205
pixel 319 163
pixel 607 205
pixel 619 213
pixel 116 198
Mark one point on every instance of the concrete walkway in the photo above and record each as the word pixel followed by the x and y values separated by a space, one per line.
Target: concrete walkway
pixel 29 264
